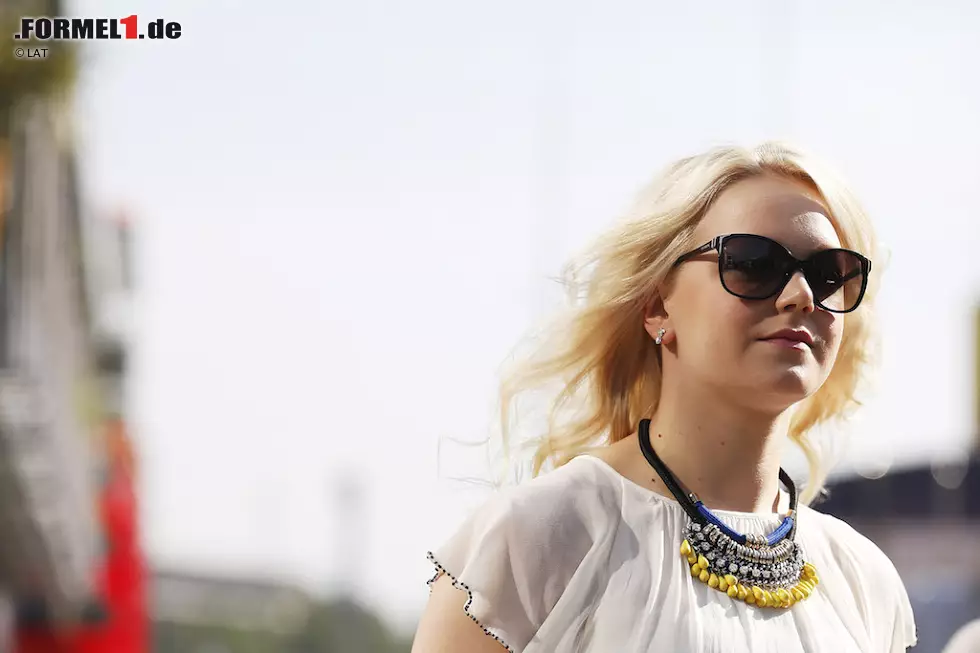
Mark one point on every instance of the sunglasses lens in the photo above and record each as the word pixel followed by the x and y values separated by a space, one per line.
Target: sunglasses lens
pixel 836 278
pixel 753 267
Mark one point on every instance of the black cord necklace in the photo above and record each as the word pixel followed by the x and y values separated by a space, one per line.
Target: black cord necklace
pixel 762 570
pixel 694 507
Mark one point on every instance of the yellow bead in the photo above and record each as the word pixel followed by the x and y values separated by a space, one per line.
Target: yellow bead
pixel 749 598
pixel 757 592
pixel 814 580
pixel 742 592
pixel 731 579
pixel 762 601
pixel 809 570
pixel 685 548
pixel 693 560
pixel 770 599
pixel 704 576
pixel 712 581
pixel 784 596
pixel 695 570
pixel 797 594
pixel 733 591
pixel 703 562
pixel 722 584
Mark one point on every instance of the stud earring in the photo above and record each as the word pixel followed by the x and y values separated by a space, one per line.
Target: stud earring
pixel 660 336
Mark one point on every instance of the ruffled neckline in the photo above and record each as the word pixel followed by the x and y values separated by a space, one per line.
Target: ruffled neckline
pixel 754 518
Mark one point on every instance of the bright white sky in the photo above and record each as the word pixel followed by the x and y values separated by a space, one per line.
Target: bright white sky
pixel 345 213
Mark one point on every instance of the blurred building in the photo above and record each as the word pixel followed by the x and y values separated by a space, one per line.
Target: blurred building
pixel 70 559
pixel 49 386
pixel 195 613
pixel 927 520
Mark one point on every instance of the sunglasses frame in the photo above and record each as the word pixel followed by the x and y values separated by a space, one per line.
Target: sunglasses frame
pixel 717 243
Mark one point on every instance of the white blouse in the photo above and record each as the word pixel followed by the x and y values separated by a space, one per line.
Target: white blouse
pixel 583 560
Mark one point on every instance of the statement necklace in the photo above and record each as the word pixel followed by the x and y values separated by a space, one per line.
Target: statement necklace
pixel 767 571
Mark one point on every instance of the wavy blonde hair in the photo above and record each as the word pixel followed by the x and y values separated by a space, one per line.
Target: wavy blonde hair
pixel 598 367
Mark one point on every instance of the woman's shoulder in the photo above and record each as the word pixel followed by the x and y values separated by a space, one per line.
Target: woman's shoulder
pixel 579 483
pixel 517 552
pixel 563 509
pixel 851 551
pixel 844 541
pixel 566 504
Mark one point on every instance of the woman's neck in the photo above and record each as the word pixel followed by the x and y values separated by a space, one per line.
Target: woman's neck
pixel 727 455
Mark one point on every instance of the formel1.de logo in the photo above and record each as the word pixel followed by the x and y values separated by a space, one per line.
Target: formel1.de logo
pixel 60 28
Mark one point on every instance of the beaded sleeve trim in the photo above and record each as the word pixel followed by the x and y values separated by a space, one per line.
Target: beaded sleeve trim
pixel 440 570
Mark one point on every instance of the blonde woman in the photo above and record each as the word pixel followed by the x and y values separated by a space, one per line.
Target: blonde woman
pixel 727 315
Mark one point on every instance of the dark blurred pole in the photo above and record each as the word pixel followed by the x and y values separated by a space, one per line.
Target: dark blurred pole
pixel 976 379
pixel 351 537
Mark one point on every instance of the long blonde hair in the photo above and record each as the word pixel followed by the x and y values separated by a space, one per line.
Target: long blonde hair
pixel 598 367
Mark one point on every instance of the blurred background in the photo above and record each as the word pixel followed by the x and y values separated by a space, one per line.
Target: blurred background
pixel 251 279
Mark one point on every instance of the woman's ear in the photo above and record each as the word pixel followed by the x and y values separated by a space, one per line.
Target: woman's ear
pixel 655 318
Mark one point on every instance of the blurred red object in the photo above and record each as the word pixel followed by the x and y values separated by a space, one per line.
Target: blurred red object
pixel 120 580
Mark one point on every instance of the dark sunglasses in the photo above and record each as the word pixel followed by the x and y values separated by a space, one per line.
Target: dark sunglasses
pixel 756 267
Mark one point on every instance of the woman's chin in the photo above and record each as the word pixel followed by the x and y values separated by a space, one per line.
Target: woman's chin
pixel 790 386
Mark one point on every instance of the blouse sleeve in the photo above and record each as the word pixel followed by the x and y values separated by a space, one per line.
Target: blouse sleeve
pixel 886 599
pixel 879 593
pixel 514 557
pixel 905 636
